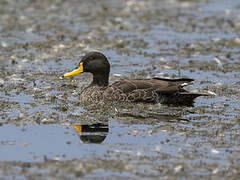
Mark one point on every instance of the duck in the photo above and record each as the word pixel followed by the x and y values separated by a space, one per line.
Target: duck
pixel 151 90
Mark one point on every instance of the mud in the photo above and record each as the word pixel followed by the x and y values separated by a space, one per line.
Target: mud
pixel 46 133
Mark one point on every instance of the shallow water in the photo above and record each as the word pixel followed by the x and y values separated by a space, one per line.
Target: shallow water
pixel 36 142
pixel 39 41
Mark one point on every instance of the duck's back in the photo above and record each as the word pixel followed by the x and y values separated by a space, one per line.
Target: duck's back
pixel 161 90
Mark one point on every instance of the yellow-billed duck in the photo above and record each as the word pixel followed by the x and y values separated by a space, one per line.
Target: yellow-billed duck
pixel 155 90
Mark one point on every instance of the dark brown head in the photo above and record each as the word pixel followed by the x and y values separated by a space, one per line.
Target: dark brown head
pixel 95 63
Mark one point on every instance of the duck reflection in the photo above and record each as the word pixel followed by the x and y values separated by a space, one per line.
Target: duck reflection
pixel 94 133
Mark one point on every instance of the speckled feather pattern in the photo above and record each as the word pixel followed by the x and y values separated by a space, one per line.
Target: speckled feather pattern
pixel 141 90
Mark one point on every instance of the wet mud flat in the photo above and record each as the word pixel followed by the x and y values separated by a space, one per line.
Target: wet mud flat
pixel 46 133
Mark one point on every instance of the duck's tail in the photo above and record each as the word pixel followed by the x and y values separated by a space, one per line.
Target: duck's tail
pixel 184 98
pixel 190 96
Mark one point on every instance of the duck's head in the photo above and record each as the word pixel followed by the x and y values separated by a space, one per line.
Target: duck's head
pixel 95 63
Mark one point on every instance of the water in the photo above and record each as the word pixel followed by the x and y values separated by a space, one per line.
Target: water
pixel 36 142
pixel 142 39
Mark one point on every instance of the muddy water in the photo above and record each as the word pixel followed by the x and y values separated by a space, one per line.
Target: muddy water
pixel 46 133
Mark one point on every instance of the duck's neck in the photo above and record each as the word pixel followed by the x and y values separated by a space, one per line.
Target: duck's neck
pixel 100 80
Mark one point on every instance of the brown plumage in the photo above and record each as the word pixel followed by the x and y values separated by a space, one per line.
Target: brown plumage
pixel 166 91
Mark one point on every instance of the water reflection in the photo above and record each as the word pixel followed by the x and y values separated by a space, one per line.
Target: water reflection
pixel 97 132
pixel 94 133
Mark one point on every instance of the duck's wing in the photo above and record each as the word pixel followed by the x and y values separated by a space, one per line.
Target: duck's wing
pixel 145 89
pixel 160 85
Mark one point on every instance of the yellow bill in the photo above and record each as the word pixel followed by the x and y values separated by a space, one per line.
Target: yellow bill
pixel 75 71
pixel 78 128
